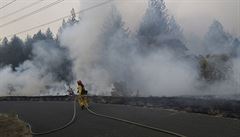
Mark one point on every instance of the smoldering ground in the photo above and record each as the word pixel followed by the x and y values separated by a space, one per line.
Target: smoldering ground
pixel 154 61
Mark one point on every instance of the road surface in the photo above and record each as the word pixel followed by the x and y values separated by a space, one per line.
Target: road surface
pixel 45 115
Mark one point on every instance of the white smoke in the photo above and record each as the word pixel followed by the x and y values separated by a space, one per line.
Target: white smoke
pixel 33 77
pixel 104 54
pixel 163 74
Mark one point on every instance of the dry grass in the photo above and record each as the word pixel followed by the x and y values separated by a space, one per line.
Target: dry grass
pixel 11 126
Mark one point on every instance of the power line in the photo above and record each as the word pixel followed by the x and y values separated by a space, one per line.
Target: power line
pixel 8 4
pixel 32 13
pixel 19 10
pixel 58 19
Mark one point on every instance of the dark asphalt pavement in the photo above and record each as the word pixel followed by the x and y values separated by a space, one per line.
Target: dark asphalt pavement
pixel 44 116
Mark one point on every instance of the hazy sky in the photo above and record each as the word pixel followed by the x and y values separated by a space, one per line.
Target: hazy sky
pixel 194 16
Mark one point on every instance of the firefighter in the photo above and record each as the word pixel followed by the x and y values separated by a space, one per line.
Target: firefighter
pixel 82 94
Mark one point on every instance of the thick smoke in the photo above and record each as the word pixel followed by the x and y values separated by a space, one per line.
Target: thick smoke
pixel 155 61
pixel 41 75
pixel 106 53
pixel 221 50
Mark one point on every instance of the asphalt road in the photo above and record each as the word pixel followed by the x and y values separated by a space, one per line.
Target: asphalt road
pixel 44 116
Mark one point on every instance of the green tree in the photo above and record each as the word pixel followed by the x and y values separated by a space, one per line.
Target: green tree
pixel 216 40
pixel 4 42
pixel 154 23
pixel 14 53
pixel 159 30
pixel 39 36
pixel 49 34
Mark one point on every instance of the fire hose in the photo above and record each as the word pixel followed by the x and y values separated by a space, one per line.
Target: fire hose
pixel 57 129
pixel 105 116
pixel 135 123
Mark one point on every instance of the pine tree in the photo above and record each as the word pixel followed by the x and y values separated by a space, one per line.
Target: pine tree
pixel 28 47
pixel 174 29
pixel 72 20
pixel 154 23
pixel 113 25
pixel 236 48
pixel 158 30
pixel 217 34
pixel 216 40
pixel 4 42
pixel 64 23
pixel 14 52
pixel 115 47
pixel 39 36
pixel 49 34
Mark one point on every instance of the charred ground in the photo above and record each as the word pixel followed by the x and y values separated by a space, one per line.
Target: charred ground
pixel 206 104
